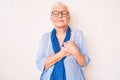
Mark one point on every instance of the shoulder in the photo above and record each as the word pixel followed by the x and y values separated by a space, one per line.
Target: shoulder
pixel 45 36
pixel 77 32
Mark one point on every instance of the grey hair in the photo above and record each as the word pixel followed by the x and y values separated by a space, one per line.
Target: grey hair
pixel 61 4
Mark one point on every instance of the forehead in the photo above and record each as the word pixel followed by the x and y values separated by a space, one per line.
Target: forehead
pixel 59 8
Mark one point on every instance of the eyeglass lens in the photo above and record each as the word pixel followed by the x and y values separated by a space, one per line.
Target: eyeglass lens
pixel 57 13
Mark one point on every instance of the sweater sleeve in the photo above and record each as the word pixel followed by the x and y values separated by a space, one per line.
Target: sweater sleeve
pixel 41 58
pixel 82 48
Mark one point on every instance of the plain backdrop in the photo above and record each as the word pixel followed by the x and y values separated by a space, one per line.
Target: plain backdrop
pixel 22 22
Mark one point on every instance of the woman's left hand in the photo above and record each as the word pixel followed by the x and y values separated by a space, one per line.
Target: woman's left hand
pixel 71 47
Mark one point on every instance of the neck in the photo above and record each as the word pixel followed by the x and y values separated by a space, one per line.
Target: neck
pixel 61 30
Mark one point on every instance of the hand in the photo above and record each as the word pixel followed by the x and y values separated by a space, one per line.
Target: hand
pixel 71 47
pixel 64 51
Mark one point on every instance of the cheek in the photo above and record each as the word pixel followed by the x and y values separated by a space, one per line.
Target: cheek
pixel 53 19
pixel 67 20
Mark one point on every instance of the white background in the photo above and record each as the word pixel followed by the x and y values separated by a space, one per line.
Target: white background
pixel 23 21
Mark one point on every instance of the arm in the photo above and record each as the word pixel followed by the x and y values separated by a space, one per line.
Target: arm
pixel 51 60
pixel 78 49
pixel 79 58
pixel 44 62
pixel 72 48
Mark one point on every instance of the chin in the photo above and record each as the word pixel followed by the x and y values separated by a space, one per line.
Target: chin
pixel 60 25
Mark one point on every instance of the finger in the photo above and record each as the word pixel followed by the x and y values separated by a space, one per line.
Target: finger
pixel 64 48
pixel 73 43
pixel 65 43
pixel 76 45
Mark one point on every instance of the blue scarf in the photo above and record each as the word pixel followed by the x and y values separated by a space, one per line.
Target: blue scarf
pixel 59 70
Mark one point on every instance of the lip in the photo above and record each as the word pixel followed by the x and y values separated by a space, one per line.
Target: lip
pixel 60 20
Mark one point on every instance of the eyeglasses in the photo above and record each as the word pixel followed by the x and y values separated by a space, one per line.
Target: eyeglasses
pixel 57 13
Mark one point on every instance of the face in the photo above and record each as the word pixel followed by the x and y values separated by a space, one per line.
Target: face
pixel 60 16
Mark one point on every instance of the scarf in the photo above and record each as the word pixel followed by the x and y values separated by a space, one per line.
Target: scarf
pixel 58 72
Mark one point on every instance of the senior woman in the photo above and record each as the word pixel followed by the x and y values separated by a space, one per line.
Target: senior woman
pixel 62 53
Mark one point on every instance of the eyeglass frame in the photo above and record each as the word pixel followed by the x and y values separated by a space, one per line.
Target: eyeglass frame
pixel 60 12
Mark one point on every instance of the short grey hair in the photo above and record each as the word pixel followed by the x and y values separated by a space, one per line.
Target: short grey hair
pixel 60 4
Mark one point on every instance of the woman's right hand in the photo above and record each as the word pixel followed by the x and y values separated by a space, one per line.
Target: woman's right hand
pixel 64 51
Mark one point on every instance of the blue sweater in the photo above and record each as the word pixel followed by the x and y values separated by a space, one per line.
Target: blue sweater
pixel 73 69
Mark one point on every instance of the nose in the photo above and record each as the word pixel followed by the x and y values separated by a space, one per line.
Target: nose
pixel 60 14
